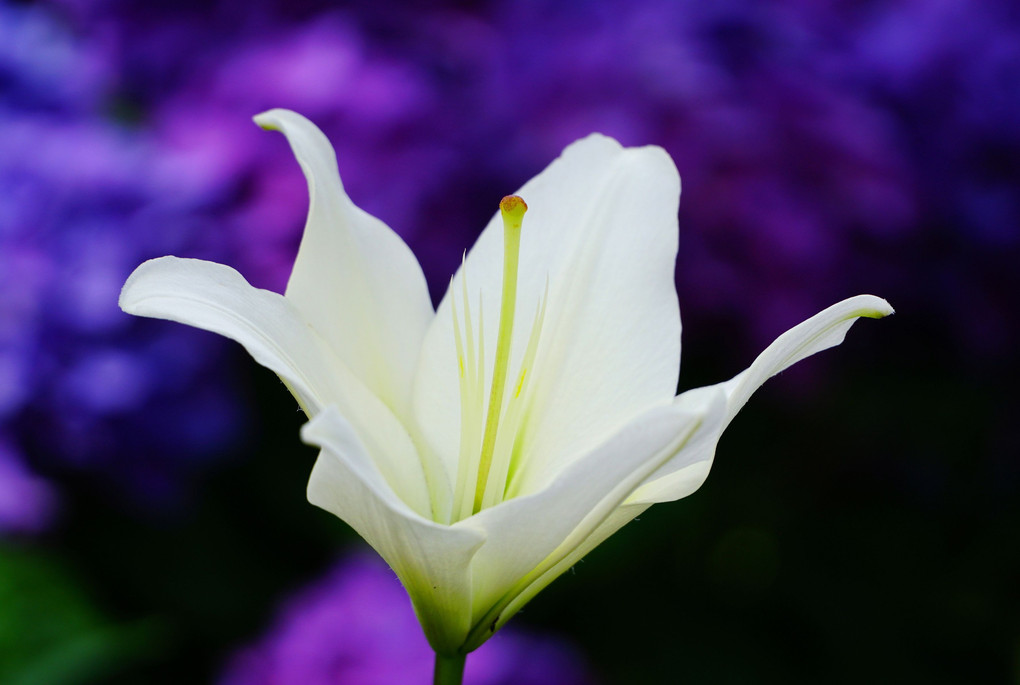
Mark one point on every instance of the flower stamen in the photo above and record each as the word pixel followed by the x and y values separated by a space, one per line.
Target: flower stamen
pixel 505 456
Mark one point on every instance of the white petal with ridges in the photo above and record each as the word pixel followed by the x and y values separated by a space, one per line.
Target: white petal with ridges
pixel 528 536
pixel 355 280
pixel 216 298
pixel 826 329
pixel 557 565
pixel 601 231
pixel 432 560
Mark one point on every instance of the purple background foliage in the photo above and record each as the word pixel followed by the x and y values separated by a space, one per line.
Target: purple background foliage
pixel 827 148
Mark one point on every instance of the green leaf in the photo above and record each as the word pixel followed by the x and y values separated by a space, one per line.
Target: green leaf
pixel 51 633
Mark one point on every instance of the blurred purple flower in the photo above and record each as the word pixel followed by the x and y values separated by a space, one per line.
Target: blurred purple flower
pixel 785 167
pixel 323 67
pixel 27 502
pixel 83 387
pixel 356 627
pixel 826 148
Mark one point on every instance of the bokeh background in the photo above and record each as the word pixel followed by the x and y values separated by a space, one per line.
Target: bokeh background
pixel 862 521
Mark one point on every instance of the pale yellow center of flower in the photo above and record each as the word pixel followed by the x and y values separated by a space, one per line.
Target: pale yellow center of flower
pixel 490 430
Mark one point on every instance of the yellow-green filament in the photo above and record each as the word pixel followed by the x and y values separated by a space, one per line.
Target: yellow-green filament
pixel 466 368
pixel 510 434
pixel 471 365
pixel 512 208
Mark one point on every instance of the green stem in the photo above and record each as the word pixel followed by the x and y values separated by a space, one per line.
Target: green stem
pixel 449 670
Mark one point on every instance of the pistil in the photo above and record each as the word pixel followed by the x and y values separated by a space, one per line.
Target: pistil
pixel 512 209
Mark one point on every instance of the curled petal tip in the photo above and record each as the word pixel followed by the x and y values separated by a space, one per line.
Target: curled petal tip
pixel 270 119
pixel 265 121
pixel 875 307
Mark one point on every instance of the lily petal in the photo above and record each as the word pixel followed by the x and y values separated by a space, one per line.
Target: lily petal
pixel 216 298
pixel 528 537
pixel 601 235
pixel 557 565
pixel 826 329
pixel 432 560
pixel 355 280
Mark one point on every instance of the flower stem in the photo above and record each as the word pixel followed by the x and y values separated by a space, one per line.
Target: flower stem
pixel 449 670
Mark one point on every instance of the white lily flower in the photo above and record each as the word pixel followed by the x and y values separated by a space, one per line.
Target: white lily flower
pixel 483 448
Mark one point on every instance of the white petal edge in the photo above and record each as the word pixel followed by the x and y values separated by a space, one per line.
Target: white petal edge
pixel 432 560
pixel 354 279
pixel 826 329
pixel 530 537
pixel 216 298
pixel 601 232
pixel 557 566
pixel 686 472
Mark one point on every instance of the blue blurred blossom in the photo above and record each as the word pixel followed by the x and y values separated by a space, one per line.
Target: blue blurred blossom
pixel 784 169
pixel 821 144
pixel 826 148
pixel 356 626
pixel 324 69
pixel 949 69
pixel 84 387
